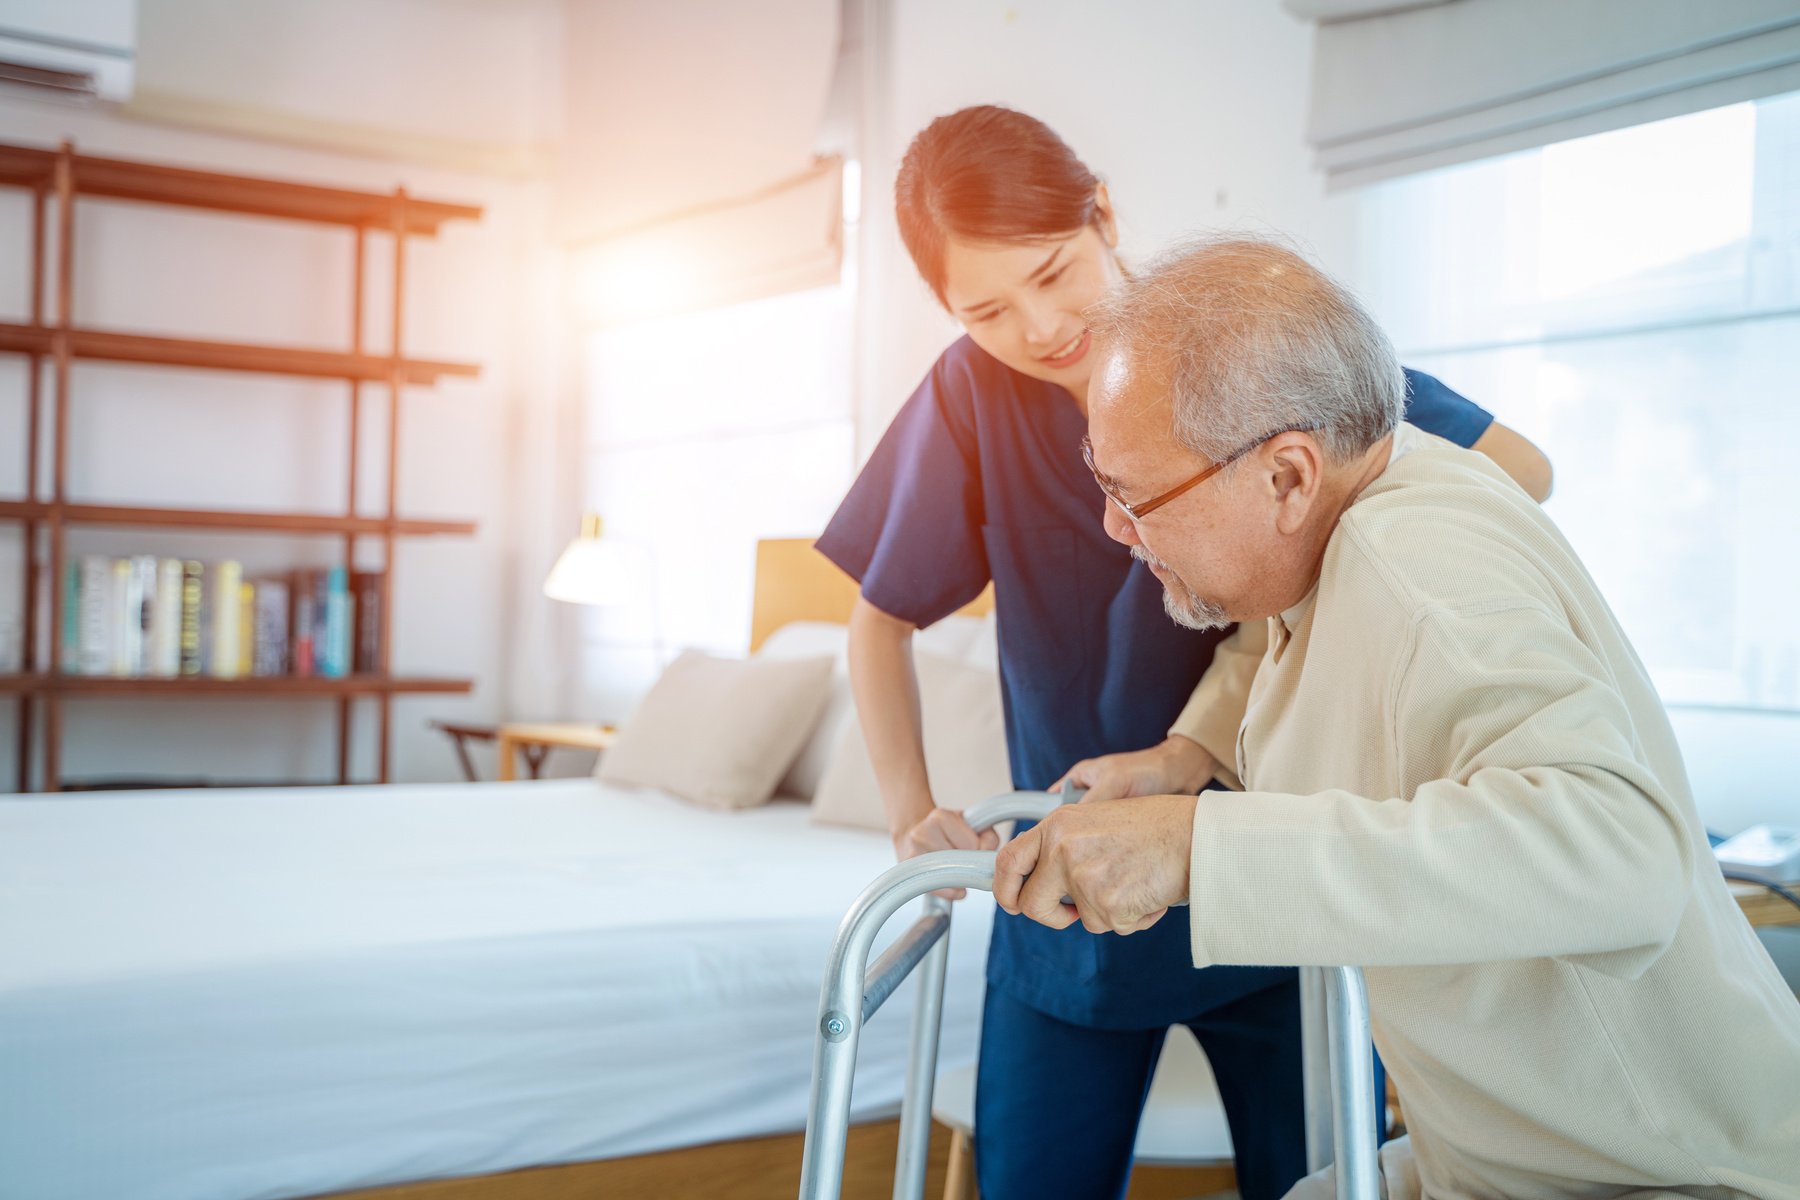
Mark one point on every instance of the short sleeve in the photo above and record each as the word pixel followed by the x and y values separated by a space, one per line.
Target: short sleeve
pixel 1437 409
pixel 909 531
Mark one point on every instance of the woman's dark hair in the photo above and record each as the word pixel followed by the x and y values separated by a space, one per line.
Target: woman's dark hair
pixel 988 174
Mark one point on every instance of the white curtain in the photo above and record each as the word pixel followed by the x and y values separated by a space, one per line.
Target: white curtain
pixel 1401 86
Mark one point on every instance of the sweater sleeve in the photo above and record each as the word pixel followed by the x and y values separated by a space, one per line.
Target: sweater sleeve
pixel 1215 711
pixel 1531 827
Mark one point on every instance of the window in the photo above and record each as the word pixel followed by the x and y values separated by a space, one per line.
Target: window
pixel 1631 302
pixel 704 433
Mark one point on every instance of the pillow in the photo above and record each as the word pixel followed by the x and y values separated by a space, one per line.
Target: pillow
pixel 954 637
pixel 809 639
pixel 720 731
pixel 965 748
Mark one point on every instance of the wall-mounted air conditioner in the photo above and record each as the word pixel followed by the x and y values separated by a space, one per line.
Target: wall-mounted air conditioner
pixel 84 49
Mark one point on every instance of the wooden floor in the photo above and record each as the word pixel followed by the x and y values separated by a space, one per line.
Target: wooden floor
pixel 753 1169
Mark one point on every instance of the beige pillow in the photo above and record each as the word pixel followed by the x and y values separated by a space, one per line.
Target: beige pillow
pixel 965 748
pixel 720 731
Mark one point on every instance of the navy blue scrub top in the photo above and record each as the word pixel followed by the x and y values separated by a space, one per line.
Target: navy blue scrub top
pixel 980 477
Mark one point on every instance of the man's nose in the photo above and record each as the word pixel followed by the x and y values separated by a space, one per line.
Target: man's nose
pixel 1119 527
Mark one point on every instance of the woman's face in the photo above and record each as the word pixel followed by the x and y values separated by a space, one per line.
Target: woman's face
pixel 1022 302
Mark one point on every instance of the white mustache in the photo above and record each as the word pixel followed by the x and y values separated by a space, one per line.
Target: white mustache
pixel 1144 556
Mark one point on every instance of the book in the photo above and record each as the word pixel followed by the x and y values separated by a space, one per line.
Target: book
pixel 123 616
pixel 269 655
pixel 246 634
pixel 163 656
pixel 193 593
pixel 305 599
pixel 71 617
pixel 334 659
pixel 143 595
pixel 94 656
pixel 223 643
pixel 366 588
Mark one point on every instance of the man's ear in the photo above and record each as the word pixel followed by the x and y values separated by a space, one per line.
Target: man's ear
pixel 1296 470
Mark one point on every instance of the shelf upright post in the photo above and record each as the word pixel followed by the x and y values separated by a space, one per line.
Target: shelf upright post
pixel 396 373
pixel 34 406
pixel 346 702
pixel 59 436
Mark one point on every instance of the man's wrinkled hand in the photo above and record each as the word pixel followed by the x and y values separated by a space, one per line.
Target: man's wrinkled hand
pixel 1119 863
pixel 944 829
pixel 1176 765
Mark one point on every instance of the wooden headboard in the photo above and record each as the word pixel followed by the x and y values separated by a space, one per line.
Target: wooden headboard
pixel 794 582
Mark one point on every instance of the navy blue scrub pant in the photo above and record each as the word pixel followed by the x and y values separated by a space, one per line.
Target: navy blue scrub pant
pixel 1057 1105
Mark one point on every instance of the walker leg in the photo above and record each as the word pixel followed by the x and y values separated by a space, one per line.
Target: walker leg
pixel 921 1066
pixel 1315 1068
pixel 1352 1085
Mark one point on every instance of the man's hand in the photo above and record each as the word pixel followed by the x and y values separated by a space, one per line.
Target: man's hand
pixel 943 829
pixel 1122 862
pixel 1176 765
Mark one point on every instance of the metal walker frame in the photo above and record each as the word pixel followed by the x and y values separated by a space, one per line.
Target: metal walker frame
pixel 1339 1076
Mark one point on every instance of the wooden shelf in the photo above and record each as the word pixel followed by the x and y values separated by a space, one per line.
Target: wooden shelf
pixel 99 345
pixel 152 183
pixel 197 685
pixel 133 516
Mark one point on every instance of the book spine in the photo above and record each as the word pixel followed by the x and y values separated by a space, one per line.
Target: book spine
pixel 143 587
pixel 96 589
pixel 165 620
pixel 336 660
pixel 71 617
pixel 365 586
pixel 246 633
pixel 303 601
pixel 227 577
pixel 193 593
pixel 122 619
pixel 271 652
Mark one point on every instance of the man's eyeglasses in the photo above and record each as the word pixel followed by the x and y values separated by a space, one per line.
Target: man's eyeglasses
pixel 1138 512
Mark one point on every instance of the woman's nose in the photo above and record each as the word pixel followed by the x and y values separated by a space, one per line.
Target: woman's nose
pixel 1040 324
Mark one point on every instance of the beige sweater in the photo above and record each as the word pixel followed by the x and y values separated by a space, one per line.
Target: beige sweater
pixel 1460 777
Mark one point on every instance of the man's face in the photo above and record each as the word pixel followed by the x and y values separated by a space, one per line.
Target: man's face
pixel 1209 546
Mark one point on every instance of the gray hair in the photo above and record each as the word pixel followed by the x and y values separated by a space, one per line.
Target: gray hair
pixel 1251 339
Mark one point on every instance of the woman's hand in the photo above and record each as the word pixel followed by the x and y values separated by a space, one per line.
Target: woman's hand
pixel 943 829
pixel 1177 766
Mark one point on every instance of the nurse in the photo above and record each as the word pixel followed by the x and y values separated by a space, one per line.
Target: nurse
pixel 980 477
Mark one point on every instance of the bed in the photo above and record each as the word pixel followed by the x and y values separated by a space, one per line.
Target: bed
pixel 226 995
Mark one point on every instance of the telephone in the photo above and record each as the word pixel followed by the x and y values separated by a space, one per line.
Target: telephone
pixel 1763 852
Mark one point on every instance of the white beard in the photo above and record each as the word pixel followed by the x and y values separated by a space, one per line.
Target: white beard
pixel 1188 609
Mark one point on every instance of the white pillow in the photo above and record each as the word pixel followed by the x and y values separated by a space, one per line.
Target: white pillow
pixel 955 637
pixel 965 748
pixel 720 731
pixel 811 639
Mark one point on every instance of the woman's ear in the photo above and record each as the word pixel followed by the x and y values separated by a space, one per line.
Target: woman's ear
pixel 1104 220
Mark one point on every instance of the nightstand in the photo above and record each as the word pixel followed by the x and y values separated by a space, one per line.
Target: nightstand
pixel 538 739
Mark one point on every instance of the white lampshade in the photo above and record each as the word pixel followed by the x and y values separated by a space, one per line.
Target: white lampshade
pixel 593 569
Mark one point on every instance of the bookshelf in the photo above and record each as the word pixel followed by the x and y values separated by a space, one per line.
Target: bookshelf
pixel 42 689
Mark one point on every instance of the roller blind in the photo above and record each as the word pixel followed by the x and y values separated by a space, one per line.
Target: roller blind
pixel 785 238
pixel 1401 87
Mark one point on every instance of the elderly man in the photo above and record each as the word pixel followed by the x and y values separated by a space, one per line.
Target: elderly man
pixel 1456 771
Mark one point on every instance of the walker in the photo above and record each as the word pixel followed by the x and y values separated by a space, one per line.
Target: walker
pixel 1340 1082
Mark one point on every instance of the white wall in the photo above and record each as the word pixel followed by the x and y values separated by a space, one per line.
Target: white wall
pixel 482 449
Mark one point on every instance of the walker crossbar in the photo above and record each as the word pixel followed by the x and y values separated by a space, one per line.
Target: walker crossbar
pixel 852 993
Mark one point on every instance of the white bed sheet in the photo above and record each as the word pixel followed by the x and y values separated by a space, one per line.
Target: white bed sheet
pixel 224 995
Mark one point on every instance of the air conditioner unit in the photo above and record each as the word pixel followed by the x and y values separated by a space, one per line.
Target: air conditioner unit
pixel 83 50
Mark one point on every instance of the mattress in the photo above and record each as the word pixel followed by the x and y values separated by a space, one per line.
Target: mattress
pixel 221 995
